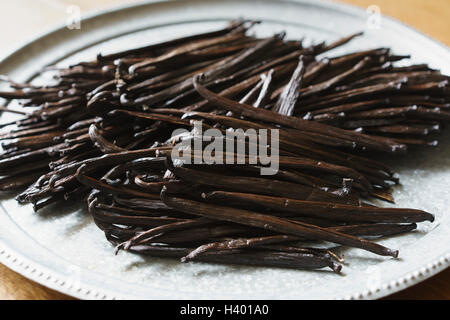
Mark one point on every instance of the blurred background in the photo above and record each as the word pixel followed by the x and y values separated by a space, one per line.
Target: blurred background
pixel 22 20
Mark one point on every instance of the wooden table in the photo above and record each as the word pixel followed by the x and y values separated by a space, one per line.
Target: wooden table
pixel 431 17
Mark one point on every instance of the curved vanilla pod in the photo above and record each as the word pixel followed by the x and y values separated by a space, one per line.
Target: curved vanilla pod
pixel 267 222
pixel 256 258
pixel 239 243
pixel 370 142
pixel 334 211
pixel 258 185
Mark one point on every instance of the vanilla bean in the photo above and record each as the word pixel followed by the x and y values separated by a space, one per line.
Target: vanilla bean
pixel 272 223
pixel 316 88
pixel 259 258
pixel 361 230
pixel 270 116
pixel 234 26
pixel 96 184
pixel 103 132
pixel 340 212
pixel 288 99
pixel 258 185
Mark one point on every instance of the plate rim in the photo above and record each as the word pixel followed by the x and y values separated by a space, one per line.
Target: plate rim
pixel 55 280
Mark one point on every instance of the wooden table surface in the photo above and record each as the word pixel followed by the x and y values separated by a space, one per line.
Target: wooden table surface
pixel 430 16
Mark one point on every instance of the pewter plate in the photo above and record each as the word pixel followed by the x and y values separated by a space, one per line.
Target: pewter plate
pixel 62 249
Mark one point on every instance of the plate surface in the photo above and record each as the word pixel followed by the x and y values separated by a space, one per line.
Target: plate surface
pixel 61 248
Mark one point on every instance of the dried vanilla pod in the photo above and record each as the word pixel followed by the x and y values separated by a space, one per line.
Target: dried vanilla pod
pixel 103 134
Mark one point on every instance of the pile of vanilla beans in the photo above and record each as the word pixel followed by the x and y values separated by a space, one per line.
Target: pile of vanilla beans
pixel 103 132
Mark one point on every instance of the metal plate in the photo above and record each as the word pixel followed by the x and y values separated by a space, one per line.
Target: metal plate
pixel 62 249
